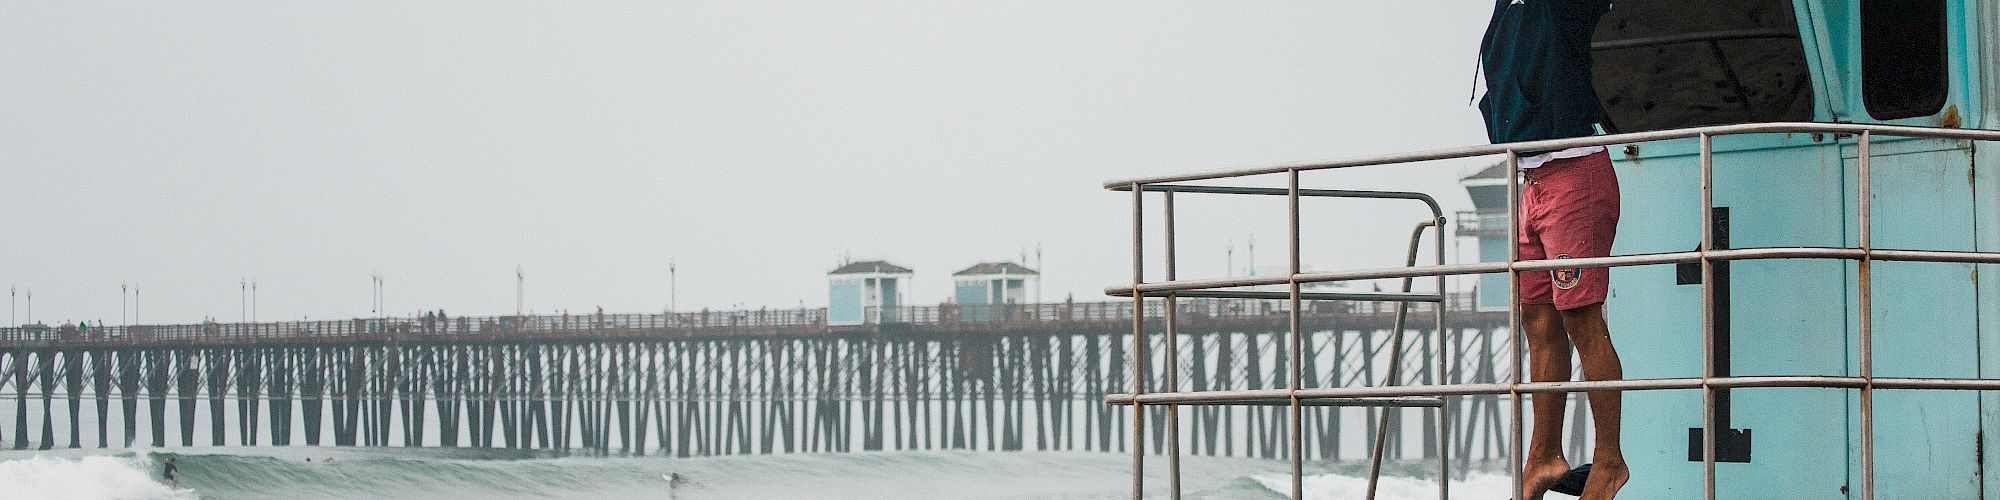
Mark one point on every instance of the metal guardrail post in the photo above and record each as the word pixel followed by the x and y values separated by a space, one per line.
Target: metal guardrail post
pixel 1172 356
pixel 1293 344
pixel 1866 305
pixel 1443 373
pixel 1138 343
pixel 1514 455
pixel 1707 318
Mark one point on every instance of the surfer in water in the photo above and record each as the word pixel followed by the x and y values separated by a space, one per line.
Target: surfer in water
pixel 170 473
pixel 677 482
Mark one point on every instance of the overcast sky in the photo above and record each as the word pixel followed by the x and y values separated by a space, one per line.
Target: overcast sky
pixel 183 146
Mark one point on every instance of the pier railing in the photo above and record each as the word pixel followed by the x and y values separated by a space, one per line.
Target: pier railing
pixel 744 322
pixel 1707 256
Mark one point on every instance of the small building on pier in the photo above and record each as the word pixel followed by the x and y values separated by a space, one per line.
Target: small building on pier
pixel 866 292
pixel 984 291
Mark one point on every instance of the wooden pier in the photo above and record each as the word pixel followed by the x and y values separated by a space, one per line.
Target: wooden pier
pixel 1029 377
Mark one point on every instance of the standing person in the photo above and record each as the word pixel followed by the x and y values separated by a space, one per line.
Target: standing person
pixel 170 473
pixel 1536 60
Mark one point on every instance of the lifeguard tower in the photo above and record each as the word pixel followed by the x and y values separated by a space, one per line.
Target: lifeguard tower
pixel 866 292
pixel 1486 226
pixel 1803 282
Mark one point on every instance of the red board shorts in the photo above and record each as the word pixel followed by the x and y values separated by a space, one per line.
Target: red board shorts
pixel 1569 210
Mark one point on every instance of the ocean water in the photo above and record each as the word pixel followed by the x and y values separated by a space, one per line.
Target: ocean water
pixel 419 473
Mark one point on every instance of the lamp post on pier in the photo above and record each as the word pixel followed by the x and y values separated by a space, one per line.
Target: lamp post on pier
pixel 1037 307
pixel 246 299
pixel 375 300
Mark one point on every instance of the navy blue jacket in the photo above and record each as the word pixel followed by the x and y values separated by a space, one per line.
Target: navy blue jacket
pixel 1536 57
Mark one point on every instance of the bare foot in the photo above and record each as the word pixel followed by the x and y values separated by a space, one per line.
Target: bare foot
pixel 1606 478
pixel 1538 475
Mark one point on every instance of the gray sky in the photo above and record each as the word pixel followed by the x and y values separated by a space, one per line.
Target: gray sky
pixel 186 145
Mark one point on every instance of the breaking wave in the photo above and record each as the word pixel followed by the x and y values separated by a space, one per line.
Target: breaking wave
pixel 305 473
pixel 82 478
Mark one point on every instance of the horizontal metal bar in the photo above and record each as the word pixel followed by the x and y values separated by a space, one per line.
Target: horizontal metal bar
pixel 1766 253
pixel 1704 36
pixel 1958 384
pixel 1312 193
pixel 1549 264
pixel 1331 397
pixel 1392 402
pixel 1388 272
pixel 1247 294
pixel 1934 256
pixel 1558 144
pixel 1395 391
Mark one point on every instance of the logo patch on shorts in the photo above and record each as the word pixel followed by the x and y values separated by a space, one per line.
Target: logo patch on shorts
pixel 1566 278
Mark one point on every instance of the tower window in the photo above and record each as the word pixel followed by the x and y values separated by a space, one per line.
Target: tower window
pixel 1671 64
pixel 1902 58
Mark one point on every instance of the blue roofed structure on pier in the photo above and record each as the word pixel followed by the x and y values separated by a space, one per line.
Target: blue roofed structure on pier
pixel 866 292
pixel 986 291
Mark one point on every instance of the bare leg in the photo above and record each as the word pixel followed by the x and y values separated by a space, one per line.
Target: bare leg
pixel 1600 362
pixel 1548 361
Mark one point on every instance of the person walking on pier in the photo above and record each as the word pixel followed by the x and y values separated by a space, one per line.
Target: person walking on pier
pixel 1537 64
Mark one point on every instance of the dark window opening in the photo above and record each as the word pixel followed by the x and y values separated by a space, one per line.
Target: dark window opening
pixel 1663 64
pixel 1902 58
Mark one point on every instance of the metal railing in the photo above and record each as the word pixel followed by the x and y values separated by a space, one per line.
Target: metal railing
pixel 1482 222
pixel 693 323
pixel 414 326
pixel 1706 256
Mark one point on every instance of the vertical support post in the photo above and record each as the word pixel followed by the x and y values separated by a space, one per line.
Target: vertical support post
pixel 128 391
pixel 159 370
pixel 218 381
pixel 1292 344
pixel 1443 369
pixel 281 381
pixel 73 380
pixel 1514 316
pixel 1138 342
pixel 1866 307
pixel 1707 317
pixel 100 371
pixel 47 374
pixel 1173 363
pixel 18 370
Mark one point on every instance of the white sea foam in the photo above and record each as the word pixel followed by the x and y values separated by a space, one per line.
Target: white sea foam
pixel 85 478
pixel 1332 486
pixel 466 474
